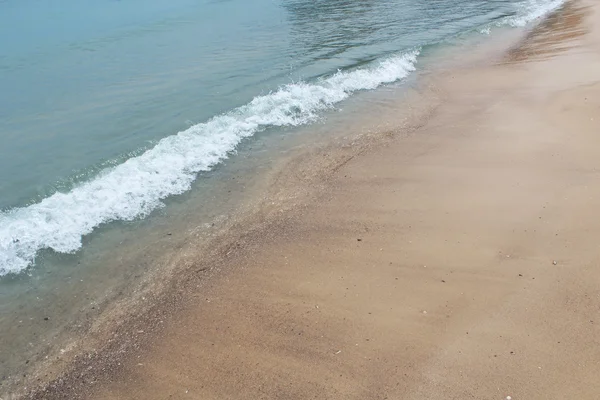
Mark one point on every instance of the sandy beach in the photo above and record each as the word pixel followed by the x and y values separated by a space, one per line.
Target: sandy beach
pixel 453 256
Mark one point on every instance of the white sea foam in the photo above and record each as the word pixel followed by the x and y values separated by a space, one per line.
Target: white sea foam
pixel 530 10
pixel 136 187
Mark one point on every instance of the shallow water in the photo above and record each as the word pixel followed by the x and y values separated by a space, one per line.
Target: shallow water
pixel 112 110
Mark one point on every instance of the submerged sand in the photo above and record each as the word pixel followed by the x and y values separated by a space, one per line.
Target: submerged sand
pixel 453 257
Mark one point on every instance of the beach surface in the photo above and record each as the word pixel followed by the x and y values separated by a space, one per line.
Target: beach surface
pixel 453 256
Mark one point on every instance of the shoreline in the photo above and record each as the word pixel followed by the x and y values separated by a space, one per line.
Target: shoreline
pixel 139 318
pixel 243 253
pixel 126 322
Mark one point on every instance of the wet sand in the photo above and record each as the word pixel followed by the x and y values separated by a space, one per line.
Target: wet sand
pixel 453 257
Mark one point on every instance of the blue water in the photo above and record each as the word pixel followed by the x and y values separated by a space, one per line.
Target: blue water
pixel 108 107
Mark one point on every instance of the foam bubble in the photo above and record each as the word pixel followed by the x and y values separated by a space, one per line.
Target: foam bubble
pixel 526 12
pixel 136 187
pixel 530 10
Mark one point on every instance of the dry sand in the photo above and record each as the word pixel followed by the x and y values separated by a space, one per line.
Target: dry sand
pixel 458 260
